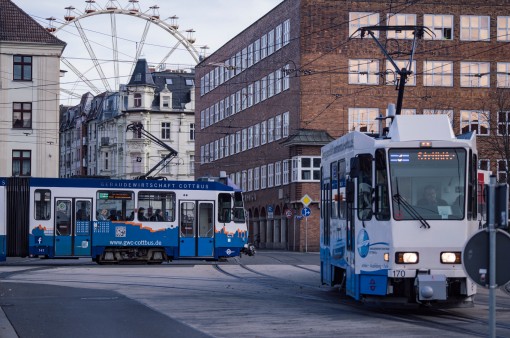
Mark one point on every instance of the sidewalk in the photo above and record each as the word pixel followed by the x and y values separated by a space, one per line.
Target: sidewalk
pixel 6 329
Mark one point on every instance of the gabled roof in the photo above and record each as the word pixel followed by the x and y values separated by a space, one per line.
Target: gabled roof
pixel 141 75
pixel 18 26
pixel 308 137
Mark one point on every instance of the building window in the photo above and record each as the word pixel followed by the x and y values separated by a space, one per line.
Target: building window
pixel 277 174
pixel 277 127
pixel 256 51
pixel 250 179
pixel 441 25
pixel 286 32
pixel 270 130
pixel 250 137
pixel 165 130
pixel 263 46
pixel 21 163
pixel 362 19
pixel 232 144
pixel 474 28
pixel 448 112
pixel 503 74
pixel 166 101
pixel 364 71
pixel 475 74
pixel 502 169
pixel 503 28
pixel 474 120
pixel 256 135
pixel 484 164
pixel 306 169
pixel 278 37
pixel 285 127
pixel 22 115
pixel 244 140
pixel 401 20
pixel 270 42
pixel 257 91
pixel 270 175
pixel 392 76
pixel 504 123
pixel 438 73
pixel 263 177
pixel 263 132
pixel 363 120
pixel 106 163
pixel 22 68
pixel 256 178
pixel 286 78
pixel 285 172
pixel 137 100
pixel 191 165
pixel 226 145
pixel 238 142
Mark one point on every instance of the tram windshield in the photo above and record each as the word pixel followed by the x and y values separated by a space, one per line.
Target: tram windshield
pixel 428 183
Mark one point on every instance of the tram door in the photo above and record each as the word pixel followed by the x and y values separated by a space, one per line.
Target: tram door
pixel 73 227
pixel 196 224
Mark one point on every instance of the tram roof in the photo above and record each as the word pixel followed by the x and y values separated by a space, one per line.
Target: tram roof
pixel 421 127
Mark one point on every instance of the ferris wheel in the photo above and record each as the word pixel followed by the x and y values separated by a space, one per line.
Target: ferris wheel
pixel 104 43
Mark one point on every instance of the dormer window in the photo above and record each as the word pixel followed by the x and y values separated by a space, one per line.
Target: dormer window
pixel 166 101
pixel 138 77
pixel 168 81
pixel 137 100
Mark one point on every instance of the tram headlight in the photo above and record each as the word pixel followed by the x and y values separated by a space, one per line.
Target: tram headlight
pixel 406 257
pixel 450 257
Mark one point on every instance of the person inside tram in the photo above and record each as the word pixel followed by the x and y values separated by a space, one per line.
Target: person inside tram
pixel 141 216
pixel 430 198
pixel 103 216
pixel 157 217
pixel 82 214
pixel 113 215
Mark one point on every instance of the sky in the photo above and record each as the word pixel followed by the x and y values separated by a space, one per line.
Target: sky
pixel 214 22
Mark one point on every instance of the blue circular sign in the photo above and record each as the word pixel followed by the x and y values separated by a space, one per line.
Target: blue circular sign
pixel 306 212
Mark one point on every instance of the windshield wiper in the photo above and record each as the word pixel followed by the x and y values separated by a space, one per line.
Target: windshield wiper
pixel 410 210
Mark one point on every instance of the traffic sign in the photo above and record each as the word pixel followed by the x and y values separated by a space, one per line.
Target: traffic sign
pixel 306 212
pixel 475 258
pixel 306 200
pixel 288 213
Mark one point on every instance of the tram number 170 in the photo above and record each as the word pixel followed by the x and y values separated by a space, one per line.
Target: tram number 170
pixel 399 273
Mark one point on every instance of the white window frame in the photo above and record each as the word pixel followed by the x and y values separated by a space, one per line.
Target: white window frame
pixel 277 174
pixel 475 74
pixel 277 127
pixel 285 124
pixel 263 132
pixel 286 32
pixel 256 178
pixel 440 24
pixel 392 76
pixel 504 123
pixel 364 71
pixel 270 175
pixel 475 27
pixel 467 120
pixel 285 172
pixel 503 74
pixel 256 135
pixel 401 19
pixel 503 28
pixel 438 73
pixel 263 177
pixel 250 179
pixel 362 19
pixel 270 130
pixel 359 117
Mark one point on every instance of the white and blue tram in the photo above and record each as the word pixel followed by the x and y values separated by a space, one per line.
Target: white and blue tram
pixel 119 220
pixel 379 239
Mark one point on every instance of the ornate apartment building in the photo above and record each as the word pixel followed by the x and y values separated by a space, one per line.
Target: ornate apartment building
pixel 303 74
pixel 30 63
pixel 98 138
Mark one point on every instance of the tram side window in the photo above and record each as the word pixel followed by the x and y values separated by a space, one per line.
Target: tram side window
pixel 42 200
pixel 382 211
pixel 365 187
pixel 158 206
pixel 224 208
pixel 113 205
pixel 334 192
pixel 342 205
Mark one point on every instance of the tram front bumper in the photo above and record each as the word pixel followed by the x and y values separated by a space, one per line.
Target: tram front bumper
pixel 431 287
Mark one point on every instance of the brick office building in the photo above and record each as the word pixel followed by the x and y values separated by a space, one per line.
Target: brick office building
pixel 301 75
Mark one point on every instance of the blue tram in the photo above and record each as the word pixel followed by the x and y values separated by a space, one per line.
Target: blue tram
pixel 122 220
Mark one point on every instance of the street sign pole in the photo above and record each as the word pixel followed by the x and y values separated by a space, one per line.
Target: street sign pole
pixel 294 232
pixel 306 234
pixel 492 257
